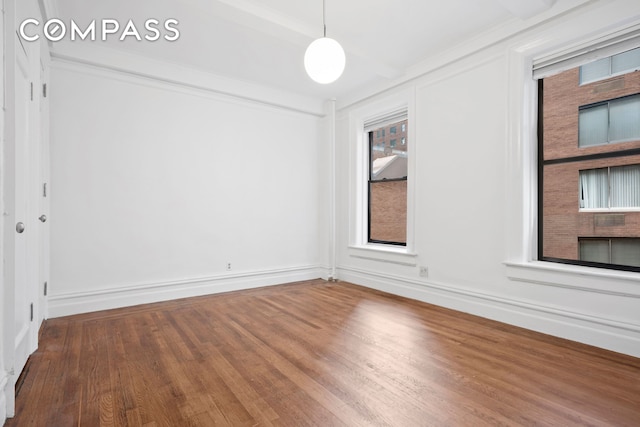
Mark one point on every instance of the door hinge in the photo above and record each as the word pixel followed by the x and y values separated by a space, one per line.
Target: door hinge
pixel 45 289
pixel 44 90
pixel 32 312
pixel 44 190
pixel 32 91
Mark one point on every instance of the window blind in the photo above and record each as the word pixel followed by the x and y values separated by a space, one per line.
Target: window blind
pixel 578 55
pixel 384 120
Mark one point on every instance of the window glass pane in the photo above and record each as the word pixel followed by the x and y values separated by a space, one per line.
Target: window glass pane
pixel 625 252
pixel 388 211
pixel 594 188
pixel 594 70
pixel 625 186
pixel 593 125
pixel 625 61
pixel 388 167
pixel 624 119
pixel 388 160
pixel 594 250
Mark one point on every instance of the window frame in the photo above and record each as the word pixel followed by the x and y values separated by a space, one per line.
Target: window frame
pixel 609 208
pixel 610 241
pixel 610 74
pixel 608 103
pixel 539 142
pixel 359 246
pixel 377 124
pixel 525 62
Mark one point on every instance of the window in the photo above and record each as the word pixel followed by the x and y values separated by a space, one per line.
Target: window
pixel 610 66
pixel 589 163
pixel 611 187
pixel 608 122
pixel 387 183
pixel 610 251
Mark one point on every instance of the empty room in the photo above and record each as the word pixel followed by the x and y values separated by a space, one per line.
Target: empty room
pixel 320 213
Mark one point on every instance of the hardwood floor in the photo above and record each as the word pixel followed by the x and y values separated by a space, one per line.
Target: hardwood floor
pixel 316 353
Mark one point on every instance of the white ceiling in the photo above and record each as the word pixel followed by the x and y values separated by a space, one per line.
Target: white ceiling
pixel 263 41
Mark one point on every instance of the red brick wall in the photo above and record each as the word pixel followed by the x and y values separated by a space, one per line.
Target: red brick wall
pixel 563 96
pixel 562 222
pixel 389 211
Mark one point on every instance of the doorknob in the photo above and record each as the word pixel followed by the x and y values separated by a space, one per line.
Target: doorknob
pixel 20 227
pixel 43 218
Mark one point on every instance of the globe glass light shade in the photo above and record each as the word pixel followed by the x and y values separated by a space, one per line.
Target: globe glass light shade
pixel 324 60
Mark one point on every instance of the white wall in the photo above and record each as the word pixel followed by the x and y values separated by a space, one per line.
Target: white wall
pixel 472 196
pixel 155 187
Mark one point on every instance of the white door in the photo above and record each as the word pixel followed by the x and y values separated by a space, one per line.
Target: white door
pixel 23 233
pixel 26 268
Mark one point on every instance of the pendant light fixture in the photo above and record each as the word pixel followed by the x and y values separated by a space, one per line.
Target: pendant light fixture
pixel 324 59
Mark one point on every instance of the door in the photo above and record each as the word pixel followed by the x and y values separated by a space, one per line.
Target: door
pixel 23 233
pixel 26 261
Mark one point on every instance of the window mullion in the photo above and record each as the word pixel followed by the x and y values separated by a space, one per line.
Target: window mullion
pixel 609 122
pixel 609 187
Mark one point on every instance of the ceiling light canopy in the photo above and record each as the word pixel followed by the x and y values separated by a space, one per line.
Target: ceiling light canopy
pixel 324 59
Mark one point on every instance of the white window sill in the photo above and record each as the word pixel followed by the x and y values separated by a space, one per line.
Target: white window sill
pixel 384 253
pixel 612 282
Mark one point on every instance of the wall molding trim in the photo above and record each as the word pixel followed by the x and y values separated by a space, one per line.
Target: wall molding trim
pixel 6 390
pixel 609 334
pixel 138 68
pixel 67 304
pixel 586 279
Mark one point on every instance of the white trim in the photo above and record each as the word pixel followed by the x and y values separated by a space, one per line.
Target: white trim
pixel 333 230
pixel 620 283
pixel 585 52
pixel 469 48
pixel 137 68
pixel 622 337
pixel 521 185
pixel 384 253
pixel 376 112
pixel 5 390
pixel 381 120
pixel 103 299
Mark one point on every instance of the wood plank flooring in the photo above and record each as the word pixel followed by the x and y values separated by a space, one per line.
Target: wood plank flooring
pixel 316 354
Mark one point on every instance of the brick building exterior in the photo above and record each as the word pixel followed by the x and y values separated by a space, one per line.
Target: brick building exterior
pixel 390 139
pixel 563 223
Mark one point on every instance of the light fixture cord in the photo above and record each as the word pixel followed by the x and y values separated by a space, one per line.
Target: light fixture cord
pixel 324 12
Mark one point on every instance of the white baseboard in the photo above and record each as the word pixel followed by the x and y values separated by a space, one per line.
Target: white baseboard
pixel 6 397
pixel 85 302
pixel 609 334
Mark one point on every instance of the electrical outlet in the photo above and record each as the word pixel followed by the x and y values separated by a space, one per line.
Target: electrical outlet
pixel 228 266
pixel 424 272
